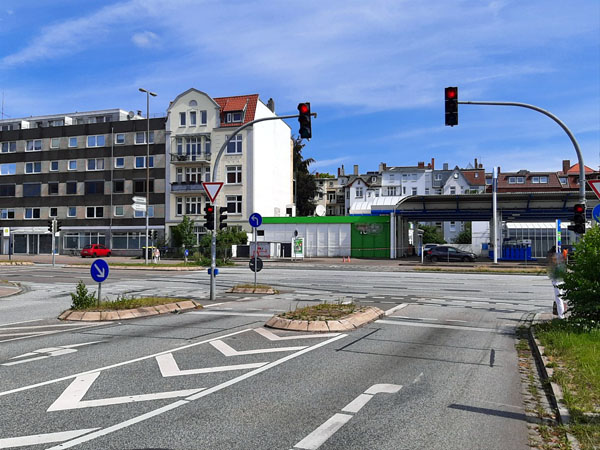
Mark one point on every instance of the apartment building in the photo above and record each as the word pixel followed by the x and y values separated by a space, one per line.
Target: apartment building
pixel 82 169
pixel 256 167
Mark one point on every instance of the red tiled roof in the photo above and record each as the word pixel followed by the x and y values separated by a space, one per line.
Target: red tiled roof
pixel 473 180
pixel 528 186
pixel 574 169
pixel 238 103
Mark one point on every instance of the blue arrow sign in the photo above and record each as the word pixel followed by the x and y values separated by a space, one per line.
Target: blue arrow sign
pixel 255 220
pixel 99 270
pixel 596 213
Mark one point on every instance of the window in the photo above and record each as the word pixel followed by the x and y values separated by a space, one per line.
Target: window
pixel 403 190
pixel 141 213
pixel 179 201
pixel 520 180
pixel 193 205
pixel 180 146
pixel 53 166
pixel 535 179
pixel 192 146
pixel 140 162
pixel 452 226
pixel 207 174
pixel 359 192
pixel 512 180
pixel 8 169
pixel 234 174
pixel 7 190
pixel 32 213
pixel 452 190
pixel 34 145
pixel 234 204
pixel 234 117
pixel 7 213
pixel 9 147
pixel 414 191
pixel 95 164
pixel 95 141
pixel 94 212
pixel 54 142
pixel 72 142
pixel 119 162
pixel 72 165
pixel 71 187
pixel 53 212
pixel 118 186
pixel 72 211
pixel 192 118
pixel 203 117
pixel 32 189
pixel 348 195
pixel 563 180
pixel 235 145
pixel 119 211
pixel 139 186
pixel 182 119
pixel 488 181
pixel 207 146
pixel 140 137
pixel 193 174
pixel 119 138
pixel 33 167
pixel 94 187
pixel 544 179
pixel 53 188
pixel 438 177
pixel 426 191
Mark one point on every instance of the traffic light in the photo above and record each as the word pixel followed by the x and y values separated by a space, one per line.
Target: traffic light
pixel 51 226
pixel 578 225
pixel 209 217
pixel 58 225
pixel 451 98
pixel 305 131
pixel 222 217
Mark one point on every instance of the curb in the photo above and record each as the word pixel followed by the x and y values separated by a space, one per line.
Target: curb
pixel 239 290
pixel 10 288
pixel 348 323
pixel 16 263
pixel 167 268
pixel 124 314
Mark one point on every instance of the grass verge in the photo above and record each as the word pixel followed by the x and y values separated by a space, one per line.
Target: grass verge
pixel 573 349
pixel 131 303
pixel 324 311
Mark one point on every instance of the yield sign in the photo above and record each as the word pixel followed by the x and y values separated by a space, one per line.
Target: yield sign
pixel 212 189
pixel 595 185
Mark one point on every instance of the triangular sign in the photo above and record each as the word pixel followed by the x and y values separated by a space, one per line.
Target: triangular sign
pixel 212 189
pixel 595 185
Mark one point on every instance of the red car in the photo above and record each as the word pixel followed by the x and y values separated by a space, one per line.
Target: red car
pixel 95 250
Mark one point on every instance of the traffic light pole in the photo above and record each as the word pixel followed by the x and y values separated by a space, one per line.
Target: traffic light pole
pixel 213 246
pixel 562 125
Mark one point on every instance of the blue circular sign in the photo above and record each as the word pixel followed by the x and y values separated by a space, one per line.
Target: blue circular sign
pixel 596 213
pixel 186 252
pixel 255 220
pixel 99 270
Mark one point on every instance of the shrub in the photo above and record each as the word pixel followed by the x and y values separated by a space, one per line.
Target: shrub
pixel 82 298
pixel 582 281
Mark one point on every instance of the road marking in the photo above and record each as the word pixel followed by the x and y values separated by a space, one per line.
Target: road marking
pixel 273 337
pixel 416 380
pixel 72 396
pixel 228 313
pixel 47 438
pixel 52 351
pixel 46 333
pixel 169 368
pixel 23 321
pixel 396 308
pixel 177 404
pixel 215 304
pixel 355 405
pixel 436 325
pixel 227 350
pixel 456 320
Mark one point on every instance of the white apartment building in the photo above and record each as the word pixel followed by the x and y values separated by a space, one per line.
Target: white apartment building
pixel 256 167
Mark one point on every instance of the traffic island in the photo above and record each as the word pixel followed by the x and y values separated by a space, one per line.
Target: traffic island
pixel 325 318
pixel 132 313
pixel 250 289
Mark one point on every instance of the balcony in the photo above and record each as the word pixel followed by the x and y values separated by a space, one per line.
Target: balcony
pixel 187 186
pixel 198 157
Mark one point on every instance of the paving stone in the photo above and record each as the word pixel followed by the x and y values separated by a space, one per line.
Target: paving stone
pixel 147 311
pixel 319 326
pixel 298 325
pixel 65 314
pixel 188 304
pixel 91 316
pixel 109 315
pixel 162 309
pixel 336 325
pixel 76 315
pixel 125 314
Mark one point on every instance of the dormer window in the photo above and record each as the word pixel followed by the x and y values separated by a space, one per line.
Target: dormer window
pixel 234 117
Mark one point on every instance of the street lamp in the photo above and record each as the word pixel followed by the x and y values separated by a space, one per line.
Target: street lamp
pixel 148 94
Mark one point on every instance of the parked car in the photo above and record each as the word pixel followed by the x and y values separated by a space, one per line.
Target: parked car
pixel 428 247
pixel 95 250
pixel 447 253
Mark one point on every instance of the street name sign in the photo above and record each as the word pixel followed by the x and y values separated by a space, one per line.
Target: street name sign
pixel 99 270
pixel 212 189
pixel 141 200
pixel 138 206
pixel 595 185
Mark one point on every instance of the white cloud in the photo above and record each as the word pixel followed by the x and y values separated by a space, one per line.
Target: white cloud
pixel 145 39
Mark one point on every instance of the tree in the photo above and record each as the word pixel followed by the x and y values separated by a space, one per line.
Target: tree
pixel 183 234
pixel 464 237
pixel 306 185
pixel 431 235
pixel 581 285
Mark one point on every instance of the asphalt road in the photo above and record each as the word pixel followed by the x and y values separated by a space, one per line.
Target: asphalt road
pixel 439 371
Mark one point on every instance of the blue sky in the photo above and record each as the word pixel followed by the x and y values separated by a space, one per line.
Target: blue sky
pixel 374 71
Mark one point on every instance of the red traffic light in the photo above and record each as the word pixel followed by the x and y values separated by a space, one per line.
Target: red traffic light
pixel 209 209
pixel 451 93
pixel 579 209
pixel 303 108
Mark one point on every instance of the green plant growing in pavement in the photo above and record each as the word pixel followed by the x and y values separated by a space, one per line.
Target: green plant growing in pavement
pixel 82 298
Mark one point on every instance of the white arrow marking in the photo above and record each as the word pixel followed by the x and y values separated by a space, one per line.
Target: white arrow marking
pixel 273 337
pixel 383 389
pixel 100 273
pixel 51 351
pixel 229 351
pixel 37 439
pixel 169 368
pixel 72 396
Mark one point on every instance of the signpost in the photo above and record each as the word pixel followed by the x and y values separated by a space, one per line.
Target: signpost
pixel 595 185
pixel 99 271
pixel 212 189
pixel 596 213
pixel 255 221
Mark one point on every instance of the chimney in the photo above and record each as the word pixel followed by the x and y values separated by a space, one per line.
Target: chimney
pixel 566 165
pixel 421 165
pixel 445 166
pixel 476 166
pixel 271 105
pixel 339 172
pixel 355 169
pixel 382 166
pixel 343 173
pixel 433 163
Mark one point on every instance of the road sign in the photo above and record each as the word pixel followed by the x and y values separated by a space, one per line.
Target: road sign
pixel 141 200
pixel 595 185
pixel 259 264
pixel 138 207
pixel 596 213
pixel 255 220
pixel 6 231
pixel 212 189
pixel 99 270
